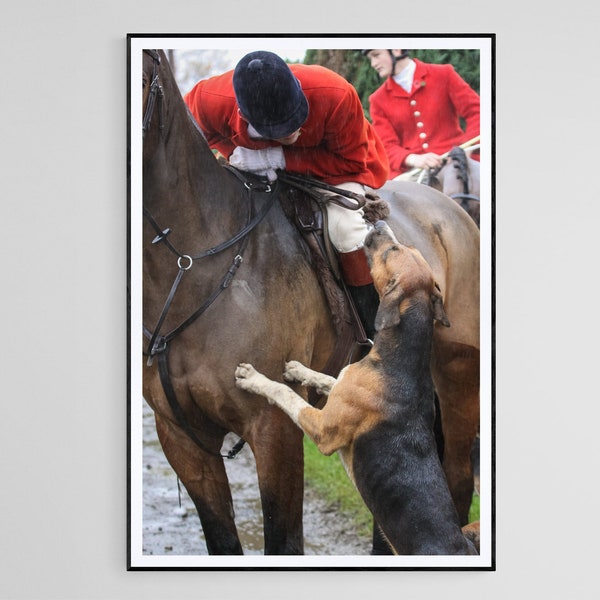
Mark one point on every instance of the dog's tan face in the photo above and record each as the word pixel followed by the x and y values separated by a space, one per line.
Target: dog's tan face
pixel 402 278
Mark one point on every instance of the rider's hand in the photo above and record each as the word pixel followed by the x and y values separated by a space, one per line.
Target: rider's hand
pixel 424 161
pixel 262 162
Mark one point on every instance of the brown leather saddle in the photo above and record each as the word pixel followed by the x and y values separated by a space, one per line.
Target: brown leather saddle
pixel 304 203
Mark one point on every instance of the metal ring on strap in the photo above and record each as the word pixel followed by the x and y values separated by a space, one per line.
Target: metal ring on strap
pixel 189 258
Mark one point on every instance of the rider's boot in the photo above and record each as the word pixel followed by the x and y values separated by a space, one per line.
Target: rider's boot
pixel 357 276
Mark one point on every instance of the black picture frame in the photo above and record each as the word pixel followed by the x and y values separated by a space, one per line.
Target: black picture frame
pixel 138 558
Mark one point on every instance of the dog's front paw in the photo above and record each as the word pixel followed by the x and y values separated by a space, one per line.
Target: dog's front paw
pixel 294 371
pixel 243 373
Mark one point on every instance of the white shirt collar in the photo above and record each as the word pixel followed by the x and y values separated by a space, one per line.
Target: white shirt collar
pixel 405 78
pixel 253 133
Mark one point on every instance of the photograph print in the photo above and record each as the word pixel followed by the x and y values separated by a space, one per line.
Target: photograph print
pixel 310 340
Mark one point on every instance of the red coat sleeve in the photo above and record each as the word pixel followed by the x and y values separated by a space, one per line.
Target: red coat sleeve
pixel 348 148
pixel 213 106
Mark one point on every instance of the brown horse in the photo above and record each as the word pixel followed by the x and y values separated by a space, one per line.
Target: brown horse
pixel 228 279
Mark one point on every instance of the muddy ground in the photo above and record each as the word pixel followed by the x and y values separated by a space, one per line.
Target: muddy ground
pixel 169 529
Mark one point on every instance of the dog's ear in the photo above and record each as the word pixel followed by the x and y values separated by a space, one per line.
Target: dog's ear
pixel 388 313
pixel 438 306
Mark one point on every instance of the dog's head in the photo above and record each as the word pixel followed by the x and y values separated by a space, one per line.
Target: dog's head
pixel 402 278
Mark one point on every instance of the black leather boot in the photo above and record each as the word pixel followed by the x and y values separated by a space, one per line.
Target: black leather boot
pixel 357 276
pixel 366 301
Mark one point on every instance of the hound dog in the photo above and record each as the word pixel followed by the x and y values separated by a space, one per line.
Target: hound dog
pixel 380 411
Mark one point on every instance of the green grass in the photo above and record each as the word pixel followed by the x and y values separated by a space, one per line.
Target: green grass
pixel 328 477
pixel 474 510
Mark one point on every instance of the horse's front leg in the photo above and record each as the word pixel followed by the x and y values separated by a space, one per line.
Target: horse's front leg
pixel 205 480
pixel 279 455
pixel 277 446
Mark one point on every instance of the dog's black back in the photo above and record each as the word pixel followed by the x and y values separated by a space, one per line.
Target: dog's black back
pixel 407 490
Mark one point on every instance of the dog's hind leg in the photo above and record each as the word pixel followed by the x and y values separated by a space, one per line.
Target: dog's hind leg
pixel 296 372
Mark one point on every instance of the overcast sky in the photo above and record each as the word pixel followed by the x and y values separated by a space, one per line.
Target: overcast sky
pixel 193 65
pixel 289 55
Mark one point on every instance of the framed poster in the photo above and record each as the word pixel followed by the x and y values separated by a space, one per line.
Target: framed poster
pixel 221 276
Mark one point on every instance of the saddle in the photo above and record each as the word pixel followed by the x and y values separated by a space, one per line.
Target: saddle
pixel 304 204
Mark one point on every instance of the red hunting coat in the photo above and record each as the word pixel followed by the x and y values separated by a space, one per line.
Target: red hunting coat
pixel 337 143
pixel 427 118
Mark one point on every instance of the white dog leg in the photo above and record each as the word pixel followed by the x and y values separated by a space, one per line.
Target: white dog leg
pixel 297 372
pixel 249 379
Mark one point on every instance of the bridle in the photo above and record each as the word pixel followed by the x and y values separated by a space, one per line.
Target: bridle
pixel 155 94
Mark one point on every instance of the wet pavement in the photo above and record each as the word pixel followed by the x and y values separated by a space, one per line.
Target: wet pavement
pixel 171 529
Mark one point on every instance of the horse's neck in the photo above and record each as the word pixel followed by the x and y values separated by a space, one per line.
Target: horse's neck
pixel 186 186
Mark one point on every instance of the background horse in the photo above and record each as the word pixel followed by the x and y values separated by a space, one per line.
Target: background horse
pixel 228 279
pixel 459 179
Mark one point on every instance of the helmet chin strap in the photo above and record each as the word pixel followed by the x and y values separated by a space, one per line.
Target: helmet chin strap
pixel 395 59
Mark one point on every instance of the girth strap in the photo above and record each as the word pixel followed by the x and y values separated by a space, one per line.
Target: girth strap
pixel 165 378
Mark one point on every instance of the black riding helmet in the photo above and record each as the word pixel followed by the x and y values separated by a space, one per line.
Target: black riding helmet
pixel 268 94
pixel 395 59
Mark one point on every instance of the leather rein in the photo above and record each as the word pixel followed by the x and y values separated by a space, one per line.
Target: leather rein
pixel 155 94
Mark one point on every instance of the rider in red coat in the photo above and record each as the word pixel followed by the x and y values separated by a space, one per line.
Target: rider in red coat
pixel 418 124
pixel 336 143
pixel 266 115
